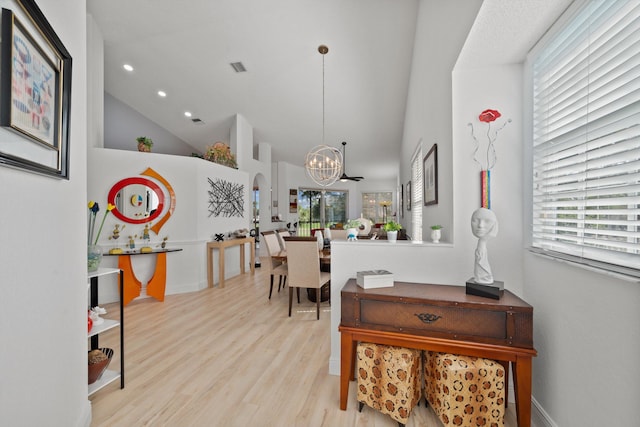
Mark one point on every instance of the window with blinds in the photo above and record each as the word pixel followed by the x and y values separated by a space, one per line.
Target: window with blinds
pixel 586 138
pixel 416 193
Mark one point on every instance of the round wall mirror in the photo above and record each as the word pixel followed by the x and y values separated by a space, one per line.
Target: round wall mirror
pixel 137 200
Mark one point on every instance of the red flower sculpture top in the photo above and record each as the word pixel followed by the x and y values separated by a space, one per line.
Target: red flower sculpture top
pixel 488 116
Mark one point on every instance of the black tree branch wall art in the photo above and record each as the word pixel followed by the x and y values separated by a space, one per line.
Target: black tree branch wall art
pixel 225 198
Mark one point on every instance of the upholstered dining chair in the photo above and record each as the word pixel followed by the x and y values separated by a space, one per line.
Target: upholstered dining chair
pixel 282 233
pixel 276 267
pixel 303 261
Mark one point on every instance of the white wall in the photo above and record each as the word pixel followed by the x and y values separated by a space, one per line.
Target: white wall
pixel 124 125
pixel 43 269
pixel 442 26
pixel 588 341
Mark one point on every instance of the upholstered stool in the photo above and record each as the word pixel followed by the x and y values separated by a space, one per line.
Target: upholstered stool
pixel 465 391
pixel 389 379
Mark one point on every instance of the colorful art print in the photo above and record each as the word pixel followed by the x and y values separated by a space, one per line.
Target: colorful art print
pixel 33 88
pixel 35 83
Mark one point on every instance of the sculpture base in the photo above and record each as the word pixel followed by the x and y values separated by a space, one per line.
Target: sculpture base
pixel 494 290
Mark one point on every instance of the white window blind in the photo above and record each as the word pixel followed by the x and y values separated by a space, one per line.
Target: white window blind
pixel 416 193
pixel 586 138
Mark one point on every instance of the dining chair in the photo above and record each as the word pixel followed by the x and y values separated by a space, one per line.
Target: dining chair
pixel 338 234
pixel 303 261
pixel 282 233
pixel 276 267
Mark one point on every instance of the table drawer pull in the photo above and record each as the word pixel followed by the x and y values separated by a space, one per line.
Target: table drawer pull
pixel 428 317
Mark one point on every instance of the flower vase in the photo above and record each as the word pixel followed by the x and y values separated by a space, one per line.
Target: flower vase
pixel 435 236
pixel 392 236
pixel 94 257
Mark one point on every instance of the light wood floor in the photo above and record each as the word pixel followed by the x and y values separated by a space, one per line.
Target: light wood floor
pixel 231 357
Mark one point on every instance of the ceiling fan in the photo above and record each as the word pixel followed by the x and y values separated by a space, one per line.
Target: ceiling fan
pixel 344 177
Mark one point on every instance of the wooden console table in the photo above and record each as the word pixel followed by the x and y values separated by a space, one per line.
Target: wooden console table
pixel 221 246
pixel 133 286
pixel 439 318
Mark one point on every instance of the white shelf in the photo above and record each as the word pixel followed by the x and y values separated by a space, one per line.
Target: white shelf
pixel 105 326
pixel 107 378
pixel 102 272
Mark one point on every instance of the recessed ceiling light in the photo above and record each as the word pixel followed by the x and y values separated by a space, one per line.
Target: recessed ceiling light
pixel 188 114
pixel 162 93
pixel 127 67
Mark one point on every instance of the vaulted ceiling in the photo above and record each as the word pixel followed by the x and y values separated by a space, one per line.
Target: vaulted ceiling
pixel 186 48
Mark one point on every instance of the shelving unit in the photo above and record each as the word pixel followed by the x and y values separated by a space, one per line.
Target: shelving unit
pixel 109 375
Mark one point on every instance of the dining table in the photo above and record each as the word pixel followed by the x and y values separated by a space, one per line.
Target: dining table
pixel 325 256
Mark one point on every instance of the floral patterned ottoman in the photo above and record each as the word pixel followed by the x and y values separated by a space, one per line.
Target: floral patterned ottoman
pixel 464 390
pixel 389 379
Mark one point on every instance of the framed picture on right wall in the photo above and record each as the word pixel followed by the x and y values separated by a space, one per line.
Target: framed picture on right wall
pixel 430 176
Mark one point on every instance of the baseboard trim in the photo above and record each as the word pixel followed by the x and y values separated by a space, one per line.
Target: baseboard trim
pixel 539 417
pixel 334 366
pixel 84 419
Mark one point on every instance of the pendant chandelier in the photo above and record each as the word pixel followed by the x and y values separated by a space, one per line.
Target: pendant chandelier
pixel 323 163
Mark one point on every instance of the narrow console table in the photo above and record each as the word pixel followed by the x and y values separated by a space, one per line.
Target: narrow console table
pixel 221 246
pixel 439 318
pixel 133 286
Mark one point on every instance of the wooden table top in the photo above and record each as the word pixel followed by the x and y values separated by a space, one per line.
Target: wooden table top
pixel 325 256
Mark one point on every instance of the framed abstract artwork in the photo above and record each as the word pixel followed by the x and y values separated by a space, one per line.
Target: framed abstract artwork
pixel 409 195
pixel 430 176
pixel 35 93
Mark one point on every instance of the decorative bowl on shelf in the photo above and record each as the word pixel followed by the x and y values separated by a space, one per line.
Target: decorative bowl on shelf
pixel 98 361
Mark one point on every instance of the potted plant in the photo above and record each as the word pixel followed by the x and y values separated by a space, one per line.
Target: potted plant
pixel 436 233
pixel 392 228
pixel 144 144
pixel 221 154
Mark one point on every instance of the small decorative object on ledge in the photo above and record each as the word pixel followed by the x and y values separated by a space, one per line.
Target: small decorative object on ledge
pixel 115 235
pixel 436 233
pixel 144 144
pixel 392 229
pixel 221 154
pixel 352 226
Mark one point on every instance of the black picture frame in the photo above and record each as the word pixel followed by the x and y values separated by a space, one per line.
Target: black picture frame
pixel 409 195
pixel 35 93
pixel 401 201
pixel 430 177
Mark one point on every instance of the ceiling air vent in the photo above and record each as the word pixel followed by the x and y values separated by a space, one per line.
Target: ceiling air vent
pixel 238 67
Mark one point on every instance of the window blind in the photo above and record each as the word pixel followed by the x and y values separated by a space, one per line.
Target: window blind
pixel 416 193
pixel 586 138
